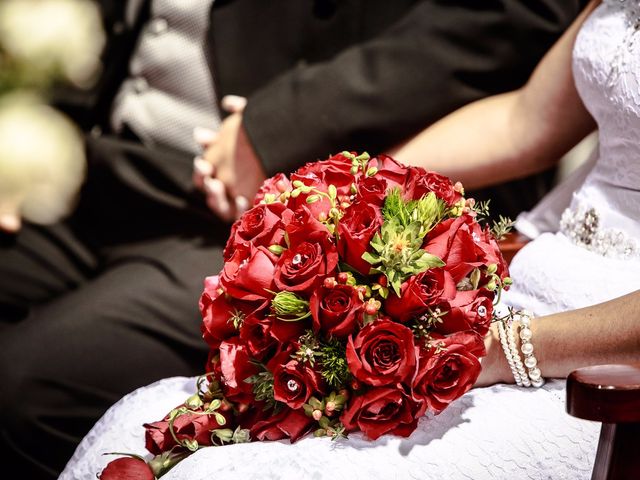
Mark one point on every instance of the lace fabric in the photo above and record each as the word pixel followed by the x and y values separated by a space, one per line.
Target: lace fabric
pixel 500 432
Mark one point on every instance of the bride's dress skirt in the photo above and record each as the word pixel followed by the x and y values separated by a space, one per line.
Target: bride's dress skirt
pixel 500 432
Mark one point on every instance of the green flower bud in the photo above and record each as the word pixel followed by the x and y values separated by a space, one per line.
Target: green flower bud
pixel 276 249
pixel 241 435
pixel 289 307
pixel 364 156
pixel 194 401
pixel 224 434
pixel 493 268
pixel 191 445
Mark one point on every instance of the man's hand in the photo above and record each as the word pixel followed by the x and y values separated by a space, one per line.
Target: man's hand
pixel 10 221
pixel 229 170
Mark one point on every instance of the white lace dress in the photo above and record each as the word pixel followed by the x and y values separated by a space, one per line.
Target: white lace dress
pixel 501 432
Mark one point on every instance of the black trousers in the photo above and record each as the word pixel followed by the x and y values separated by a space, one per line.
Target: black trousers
pixel 103 303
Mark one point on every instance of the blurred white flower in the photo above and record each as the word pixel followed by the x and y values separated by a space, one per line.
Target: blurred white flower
pixel 42 160
pixel 52 34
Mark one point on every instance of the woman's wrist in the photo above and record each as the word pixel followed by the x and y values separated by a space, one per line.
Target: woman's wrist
pixel 495 368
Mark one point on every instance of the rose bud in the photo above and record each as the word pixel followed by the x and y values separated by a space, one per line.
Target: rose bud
pixel 330 282
pixel 127 468
pixel 343 277
pixel 372 306
pixel 317 415
pixel 330 408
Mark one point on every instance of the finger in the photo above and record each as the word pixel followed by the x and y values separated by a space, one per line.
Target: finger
pixel 242 205
pixel 217 198
pixel 10 222
pixel 201 170
pixel 204 136
pixel 203 167
pixel 233 103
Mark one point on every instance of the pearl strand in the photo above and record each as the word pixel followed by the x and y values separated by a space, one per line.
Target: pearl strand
pixel 504 342
pixel 530 361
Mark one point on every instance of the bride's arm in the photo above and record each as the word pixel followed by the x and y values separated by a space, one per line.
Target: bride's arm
pixel 605 333
pixel 510 135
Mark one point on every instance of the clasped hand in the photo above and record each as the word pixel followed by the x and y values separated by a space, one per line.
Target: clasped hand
pixel 229 171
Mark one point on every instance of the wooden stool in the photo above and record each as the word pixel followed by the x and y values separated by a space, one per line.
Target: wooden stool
pixel 610 394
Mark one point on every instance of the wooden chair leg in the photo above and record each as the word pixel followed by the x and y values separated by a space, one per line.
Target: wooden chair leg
pixel 610 394
pixel 618 451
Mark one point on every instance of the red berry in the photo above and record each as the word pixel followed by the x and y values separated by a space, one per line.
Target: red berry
pixel 330 282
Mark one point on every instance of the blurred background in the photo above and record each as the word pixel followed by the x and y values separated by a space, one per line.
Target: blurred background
pixel 44 44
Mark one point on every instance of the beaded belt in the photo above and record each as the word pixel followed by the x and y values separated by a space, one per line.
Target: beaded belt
pixel 582 226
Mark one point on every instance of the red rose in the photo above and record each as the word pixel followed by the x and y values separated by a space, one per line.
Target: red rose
pixel 493 255
pixel 317 208
pixel 336 171
pixel 289 423
pixel 420 182
pixel 275 185
pixel 158 437
pixel 262 226
pixel 301 225
pixel 248 274
pixel 469 310
pixel 372 190
pixel 419 293
pixel 336 311
pixel 393 172
pixel 382 353
pixel 219 314
pixel 294 382
pixel 256 334
pixel 460 243
pixel 302 267
pixel 356 229
pixel 383 410
pixel 127 468
pixel 448 370
pixel 235 367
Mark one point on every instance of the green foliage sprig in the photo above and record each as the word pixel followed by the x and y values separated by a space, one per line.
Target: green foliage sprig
pixel 398 252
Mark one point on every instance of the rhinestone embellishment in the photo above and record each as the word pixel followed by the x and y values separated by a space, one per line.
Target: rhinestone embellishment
pixel 582 226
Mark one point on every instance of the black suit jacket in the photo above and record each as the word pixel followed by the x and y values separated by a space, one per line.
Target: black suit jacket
pixel 327 75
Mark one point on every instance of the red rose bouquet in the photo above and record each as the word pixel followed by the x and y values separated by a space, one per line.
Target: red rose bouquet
pixel 354 296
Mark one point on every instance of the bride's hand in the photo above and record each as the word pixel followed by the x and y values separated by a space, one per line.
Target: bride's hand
pixel 494 365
